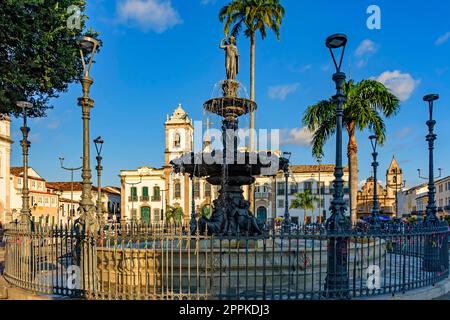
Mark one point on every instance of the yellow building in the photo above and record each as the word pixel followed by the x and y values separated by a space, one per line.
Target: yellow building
pixel 386 194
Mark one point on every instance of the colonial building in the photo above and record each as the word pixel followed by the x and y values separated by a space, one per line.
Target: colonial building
pixel 146 192
pixel 5 178
pixel 386 195
pixel 44 202
pixel 110 198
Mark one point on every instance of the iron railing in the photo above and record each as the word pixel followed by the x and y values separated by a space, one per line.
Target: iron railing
pixel 162 261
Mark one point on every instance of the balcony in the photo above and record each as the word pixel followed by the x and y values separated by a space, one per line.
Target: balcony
pixel 133 198
pixel 262 195
pixel 145 198
pixel 156 198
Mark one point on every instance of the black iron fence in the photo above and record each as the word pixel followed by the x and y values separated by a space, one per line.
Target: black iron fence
pixel 166 262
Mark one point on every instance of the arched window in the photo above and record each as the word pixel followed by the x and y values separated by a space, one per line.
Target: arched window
pixel 207 189
pixel 177 190
pixel 197 189
pixel 177 140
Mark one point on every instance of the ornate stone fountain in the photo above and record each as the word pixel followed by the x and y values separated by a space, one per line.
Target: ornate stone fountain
pixel 229 168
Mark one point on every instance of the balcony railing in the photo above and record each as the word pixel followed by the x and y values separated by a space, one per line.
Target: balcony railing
pixel 156 198
pixel 145 198
pixel 133 198
pixel 262 195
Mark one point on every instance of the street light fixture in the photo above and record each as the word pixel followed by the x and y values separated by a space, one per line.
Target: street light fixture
pixel 88 47
pixel 431 137
pixel 375 221
pixel 72 170
pixel 287 217
pixel 25 214
pixel 337 280
pixel 98 142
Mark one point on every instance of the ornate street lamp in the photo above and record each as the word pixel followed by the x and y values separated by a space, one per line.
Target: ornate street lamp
pixel 88 47
pixel 287 216
pixel 25 213
pixel 98 142
pixel 375 222
pixel 72 170
pixel 431 137
pixel 337 280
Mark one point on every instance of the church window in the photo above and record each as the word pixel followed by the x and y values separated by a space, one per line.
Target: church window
pixel 177 190
pixel 177 140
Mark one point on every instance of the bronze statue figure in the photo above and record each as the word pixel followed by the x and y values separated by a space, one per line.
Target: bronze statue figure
pixel 231 57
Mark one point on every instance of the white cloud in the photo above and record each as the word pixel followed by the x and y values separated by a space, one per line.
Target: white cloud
pixel 403 132
pixel 443 39
pixel 205 2
pixel 301 137
pixel 366 47
pixel 155 15
pixel 401 84
pixel 280 92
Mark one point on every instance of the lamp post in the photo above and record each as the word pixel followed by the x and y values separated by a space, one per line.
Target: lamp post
pixel 431 137
pixel 321 219
pixel 419 213
pixel 287 217
pixel 72 170
pixel 25 213
pixel 98 142
pixel 337 280
pixel 375 222
pixel 88 47
pixel 162 203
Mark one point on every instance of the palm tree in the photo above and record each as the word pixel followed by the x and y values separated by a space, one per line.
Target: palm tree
pixel 367 102
pixel 175 214
pixel 303 201
pixel 254 15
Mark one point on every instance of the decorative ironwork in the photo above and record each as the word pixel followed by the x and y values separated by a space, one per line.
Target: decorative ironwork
pixel 166 261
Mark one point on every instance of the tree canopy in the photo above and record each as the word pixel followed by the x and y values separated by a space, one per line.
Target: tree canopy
pixel 39 56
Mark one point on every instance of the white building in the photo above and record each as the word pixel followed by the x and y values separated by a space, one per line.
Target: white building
pixel 146 191
pixel 5 179
pixel 110 199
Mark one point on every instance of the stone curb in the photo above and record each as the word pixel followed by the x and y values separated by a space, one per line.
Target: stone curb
pixel 427 293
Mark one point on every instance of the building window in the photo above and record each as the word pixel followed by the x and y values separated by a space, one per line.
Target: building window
pixel 46 201
pixel 207 190
pixel 280 188
pixel 133 192
pixel 177 140
pixel 156 193
pixel 19 181
pixel 293 188
pixel 280 203
pixel 441 188
pixel 177 190
pixel 156 215
pixel 197 189
pixel 307 186
pixel 33 184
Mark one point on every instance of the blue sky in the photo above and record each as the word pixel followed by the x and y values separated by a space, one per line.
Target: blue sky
pixel 158 53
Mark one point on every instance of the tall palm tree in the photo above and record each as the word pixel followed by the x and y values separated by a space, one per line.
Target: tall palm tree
pixel 305 201
pixel 254 15
pixel 367 102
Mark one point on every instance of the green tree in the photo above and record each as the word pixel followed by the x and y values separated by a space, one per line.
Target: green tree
pixel 305 201
pixel 39 57
pixel 367 102
pixel 254 15
pixel 174 214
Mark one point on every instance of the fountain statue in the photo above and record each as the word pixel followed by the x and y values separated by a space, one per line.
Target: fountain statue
pixel 229 168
